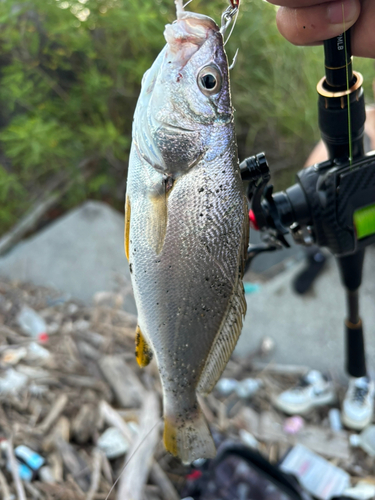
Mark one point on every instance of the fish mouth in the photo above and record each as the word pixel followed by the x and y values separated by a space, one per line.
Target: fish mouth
pixel 190 28
pixel 187 34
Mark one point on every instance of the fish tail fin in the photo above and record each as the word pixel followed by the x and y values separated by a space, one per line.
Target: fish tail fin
pixel 189 438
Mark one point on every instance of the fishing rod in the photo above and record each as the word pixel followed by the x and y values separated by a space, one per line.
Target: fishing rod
pixel 332 204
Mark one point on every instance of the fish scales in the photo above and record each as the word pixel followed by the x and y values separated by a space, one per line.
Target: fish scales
pixel 186 237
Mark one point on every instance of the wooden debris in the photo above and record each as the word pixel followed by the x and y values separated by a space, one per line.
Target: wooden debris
pixel 54 413
pixel 160 478
pixel 75 464
pixel 4 488
pixel 113 418
pixel 138 461
pixel 95 475
pixel 14 470
pixel 84 424
pixel 91 382
pixel 122 379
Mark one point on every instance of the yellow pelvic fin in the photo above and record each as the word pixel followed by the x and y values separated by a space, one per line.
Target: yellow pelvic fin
pixel 143 352
pixel 170 437
pixel 127 227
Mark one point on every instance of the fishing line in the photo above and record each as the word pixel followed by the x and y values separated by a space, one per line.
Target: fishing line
pixel 131 456
pixel 347 88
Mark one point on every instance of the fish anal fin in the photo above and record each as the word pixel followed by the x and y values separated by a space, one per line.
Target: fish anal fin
pixel 143 352
pixel 225 341
pixel 127 226
pixel 189 438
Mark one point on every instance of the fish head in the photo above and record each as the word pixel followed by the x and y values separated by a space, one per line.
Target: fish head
pixel 185 95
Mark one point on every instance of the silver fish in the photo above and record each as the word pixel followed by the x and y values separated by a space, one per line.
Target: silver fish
pixel 186 225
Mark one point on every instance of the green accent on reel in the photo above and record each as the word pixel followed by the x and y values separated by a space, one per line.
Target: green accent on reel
pixel 364 221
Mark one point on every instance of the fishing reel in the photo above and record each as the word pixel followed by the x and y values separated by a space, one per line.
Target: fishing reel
pixel 332 204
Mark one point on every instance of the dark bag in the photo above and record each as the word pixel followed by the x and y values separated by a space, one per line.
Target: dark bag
pixel 241 473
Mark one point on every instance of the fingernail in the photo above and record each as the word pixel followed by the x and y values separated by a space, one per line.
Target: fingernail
pixel 340 12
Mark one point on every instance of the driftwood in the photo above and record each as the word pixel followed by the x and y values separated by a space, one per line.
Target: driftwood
pixel 138 461
pixel 95 475
pixel 157 475
pixel 112 417
pixel 14 470
pixel 75 464
pixel 122 379
pixel 84 424
pixel 160 478
pixel 4 488
pixel 54 413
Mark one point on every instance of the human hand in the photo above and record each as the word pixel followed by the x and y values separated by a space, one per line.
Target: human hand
pixel 309 22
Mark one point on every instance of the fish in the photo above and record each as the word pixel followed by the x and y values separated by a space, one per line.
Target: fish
pixel 186 226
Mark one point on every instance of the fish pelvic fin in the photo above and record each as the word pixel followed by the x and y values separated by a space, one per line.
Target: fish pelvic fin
pixel 127 226
pixel 143 352
pixel 188 438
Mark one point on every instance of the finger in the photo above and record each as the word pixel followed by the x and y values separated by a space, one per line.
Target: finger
pixel 307 25
pixel 363 32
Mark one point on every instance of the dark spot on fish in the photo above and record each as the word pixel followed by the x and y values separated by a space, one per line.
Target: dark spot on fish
pixel 178 79
pixel 200 190
pixel 131 268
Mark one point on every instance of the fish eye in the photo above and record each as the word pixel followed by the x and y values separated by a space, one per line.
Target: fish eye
pixel 209 80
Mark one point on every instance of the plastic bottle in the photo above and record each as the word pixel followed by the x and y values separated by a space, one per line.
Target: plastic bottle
pixel 32 324
pixel 366 440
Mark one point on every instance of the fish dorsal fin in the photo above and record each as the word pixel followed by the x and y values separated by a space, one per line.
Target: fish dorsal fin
pixel 143 352
pixel 231 326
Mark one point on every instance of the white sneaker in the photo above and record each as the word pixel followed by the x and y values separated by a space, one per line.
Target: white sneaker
pixel 358 405
pixel 312 390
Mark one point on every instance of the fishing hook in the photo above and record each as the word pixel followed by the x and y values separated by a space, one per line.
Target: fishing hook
pixel 234 60
pixel 227 16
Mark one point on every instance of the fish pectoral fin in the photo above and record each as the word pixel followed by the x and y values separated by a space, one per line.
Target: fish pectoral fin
pixel 156 228
pixel 143 352
pixel 127 226
pixel 188 438
pixel 225 342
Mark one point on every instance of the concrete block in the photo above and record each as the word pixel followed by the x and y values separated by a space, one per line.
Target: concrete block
pixel 309 329
pixel 80 254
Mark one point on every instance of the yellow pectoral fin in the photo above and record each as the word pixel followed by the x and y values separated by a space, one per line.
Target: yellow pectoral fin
pixel 143 352
pixel 127 227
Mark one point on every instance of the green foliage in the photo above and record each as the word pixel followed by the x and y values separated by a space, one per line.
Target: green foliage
pixel 70 77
